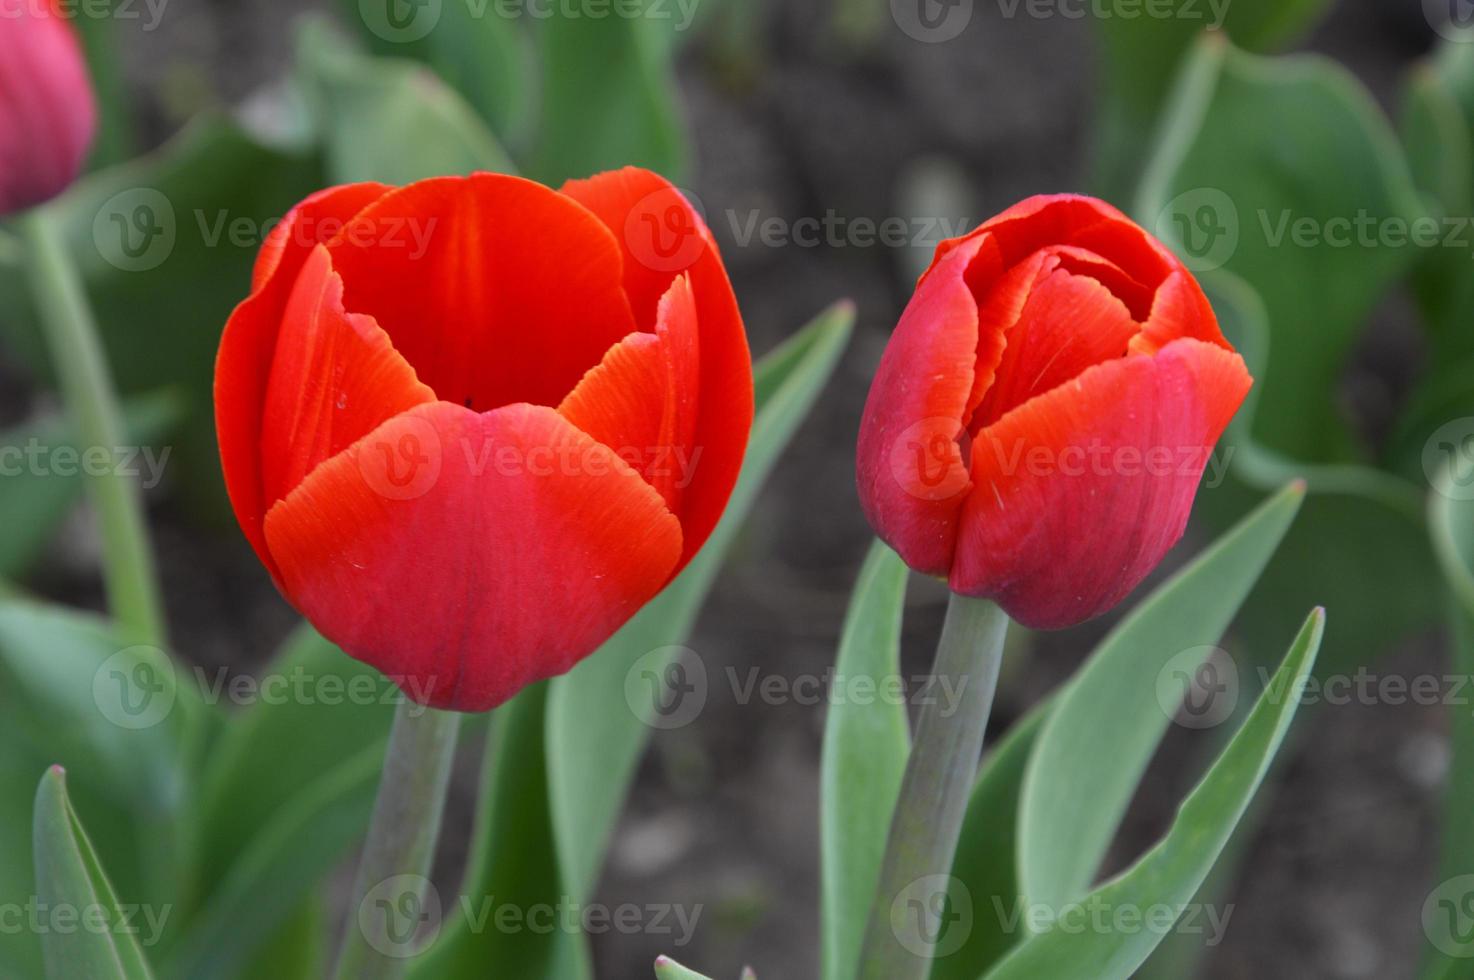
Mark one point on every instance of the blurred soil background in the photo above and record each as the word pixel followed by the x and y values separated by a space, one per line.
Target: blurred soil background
pixel 725 811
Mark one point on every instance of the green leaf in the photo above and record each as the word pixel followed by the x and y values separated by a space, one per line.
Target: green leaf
pixel 475 50
pixel 1284 172
pixel 99 943
pixel 866 744
pixel 577 758
pixel 668 969
pixel 984 871
pixel 288 790
pixel 1099 738
pixel 608 97
pixel 1451 520
pixel 36 500
pixel 1352 513
pixel 1142 56
pixel 1171 872
pixel 165 246
pixel 357 100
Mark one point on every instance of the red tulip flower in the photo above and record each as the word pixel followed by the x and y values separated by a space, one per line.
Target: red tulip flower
pixel 48 115
pixel 1045 410
pixel 472 425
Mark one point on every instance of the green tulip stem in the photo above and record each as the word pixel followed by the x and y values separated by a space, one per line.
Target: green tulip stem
pixel 389 892
pixel 81 370
pixel 907 919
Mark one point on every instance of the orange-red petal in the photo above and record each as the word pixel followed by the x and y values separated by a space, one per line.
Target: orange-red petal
pixel 662 236
pixel 248 347
pixel 469 554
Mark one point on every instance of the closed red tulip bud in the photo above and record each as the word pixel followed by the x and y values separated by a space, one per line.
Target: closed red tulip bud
pixel 472 425
pixel 1045 410
pixel 48 115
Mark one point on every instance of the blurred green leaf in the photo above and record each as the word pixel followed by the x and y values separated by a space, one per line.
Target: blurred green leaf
pixel 562 754
pixel 1100 736
pixel 866 744
pixel 1360 536
pixel 98 30
pixel 165 246
pixel 1142 56
pixel 668 969
pixel 288 790
pixel 36 501
pixel 1171 872
pixel 1451 521
pixel 389 119
pixel 298 950
pixel 1284 172
pixel 99 943
pixel 985 870
pixel 608 96
pixel 473 45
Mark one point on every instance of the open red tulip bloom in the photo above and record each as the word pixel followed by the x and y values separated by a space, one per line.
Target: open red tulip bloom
pixel 1045 409
pixel 48 115
pixel 473 424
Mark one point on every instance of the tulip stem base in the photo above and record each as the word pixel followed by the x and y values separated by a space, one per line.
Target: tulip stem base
pixel 81 370
pixel 907 922
pixel 389 892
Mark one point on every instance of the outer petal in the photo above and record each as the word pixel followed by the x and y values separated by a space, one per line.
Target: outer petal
pixel 1081 491
pixel 641 400
pixel 909 466
pixel 467 555
pixel 496 289
pixel 248 347
pixel 48 115
pixel 1180 310
pixel 662 236
pixel 336 377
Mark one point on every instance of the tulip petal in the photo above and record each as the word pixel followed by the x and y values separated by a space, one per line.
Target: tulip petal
pixel 641 400
pixel 661 235
pixel 909 462
pixel 1082 490
pixel 411 549
pixel 496 289
pixel 1181 310
pixel 248 347
pixel 336 377
pixel 1069 323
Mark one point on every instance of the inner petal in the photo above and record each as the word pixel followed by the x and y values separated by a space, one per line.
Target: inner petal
pixel 1070 322
pixel 495 289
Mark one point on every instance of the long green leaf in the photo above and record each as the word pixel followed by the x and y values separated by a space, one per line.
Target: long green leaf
pixel 1109 933
pixel 866 743
pixel 96 940
pixel 1098 740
